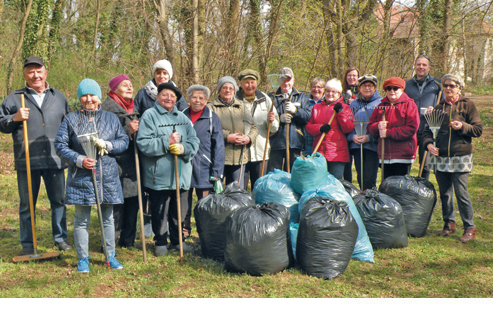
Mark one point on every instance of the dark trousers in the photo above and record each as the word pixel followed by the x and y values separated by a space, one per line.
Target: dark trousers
pixel 125 216
pixel 252 172
pixel 348 170
pixel 277 158
pixel 54 181
pixel 395 169
pixel 447 183
pixel 164 214
pixel 200 193
pixel 370 167
pixel 232 174
pixel 427 167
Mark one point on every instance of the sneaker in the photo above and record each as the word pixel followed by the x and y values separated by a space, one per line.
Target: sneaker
pixel 63 246
pixel 83 265
pixel 161 250
pixel 186 248
pixel 114 263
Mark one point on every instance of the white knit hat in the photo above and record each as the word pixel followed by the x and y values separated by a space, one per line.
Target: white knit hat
pixel 163 64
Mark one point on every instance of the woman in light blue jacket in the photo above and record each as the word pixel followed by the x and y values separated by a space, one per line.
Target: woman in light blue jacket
pixel 362 108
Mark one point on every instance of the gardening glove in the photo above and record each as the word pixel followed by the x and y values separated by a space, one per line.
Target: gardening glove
pixel 338 108
pixel 286 118
pixel 325 128
pixel 177 149
pixel 218 184
pixel 290 107
pixel 101 145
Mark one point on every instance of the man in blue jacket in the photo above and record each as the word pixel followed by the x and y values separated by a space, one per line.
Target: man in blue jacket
pixel 425 91
pixel 43 112
pixel 294 109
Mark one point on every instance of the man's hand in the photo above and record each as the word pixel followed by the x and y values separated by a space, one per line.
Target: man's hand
pixel 21 114
pixel 290 107
pixel 286 118
pixel 271 116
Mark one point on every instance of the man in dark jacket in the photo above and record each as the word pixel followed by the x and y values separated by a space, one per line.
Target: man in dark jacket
pixel 294 110
pixel 425 91
pixel 43 112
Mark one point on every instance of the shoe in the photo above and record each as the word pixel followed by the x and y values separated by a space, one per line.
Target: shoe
pixel 161 250
pixel 448 229
pixel 83 265
pixel 63 246
pixel 114 263
pixel 27 250
pixel 186 248
pixel 469 234
pixel 148 233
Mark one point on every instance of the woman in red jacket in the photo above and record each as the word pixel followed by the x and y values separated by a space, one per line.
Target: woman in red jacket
pixel 398 130
pixel 334 144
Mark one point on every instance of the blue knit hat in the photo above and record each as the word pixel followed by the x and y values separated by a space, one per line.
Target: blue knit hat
pixel 89 86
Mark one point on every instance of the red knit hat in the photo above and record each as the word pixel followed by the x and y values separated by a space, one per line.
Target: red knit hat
pixel 117 80
pixel 394 81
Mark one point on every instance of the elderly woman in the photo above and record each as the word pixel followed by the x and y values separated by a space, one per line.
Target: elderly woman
pixel 120 102
pixel 110 140
pixel 397 132
pixel 453 154
pixel 362 108
pixel 238 127
pixel 164 132
pixel 208 164
pixel 316 96
pixel 334 144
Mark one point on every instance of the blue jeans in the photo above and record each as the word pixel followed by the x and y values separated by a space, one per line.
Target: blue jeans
pixel 336 169
pixel 82 220
pixel 55 189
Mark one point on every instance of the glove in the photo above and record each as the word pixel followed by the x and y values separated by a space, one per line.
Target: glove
pixel 101 145
pixel 290 107
pixel 338 108
pixel 286 118
pixel 325 128
pixel 177 149
pixel 218 187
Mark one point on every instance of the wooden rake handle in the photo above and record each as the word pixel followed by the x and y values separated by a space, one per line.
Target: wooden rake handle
pixel 323 134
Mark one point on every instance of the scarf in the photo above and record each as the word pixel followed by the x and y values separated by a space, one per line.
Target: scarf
pixel 195 115
pixel 228 104
pixel 127 105
pixel 151 89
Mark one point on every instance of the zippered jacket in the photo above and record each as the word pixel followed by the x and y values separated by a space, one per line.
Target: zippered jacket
pixel 362 112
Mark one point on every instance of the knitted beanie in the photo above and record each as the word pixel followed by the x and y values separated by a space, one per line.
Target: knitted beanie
pixel 117 80
pixel 89 86
pixel 226 79
pixel 163 64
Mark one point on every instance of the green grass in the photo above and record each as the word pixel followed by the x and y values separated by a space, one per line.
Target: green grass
pixel 430 267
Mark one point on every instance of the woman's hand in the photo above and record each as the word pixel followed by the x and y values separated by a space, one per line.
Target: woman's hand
pixel 174 138
pixel 383 133
pixel 232 137
pixel 382 124
pixel 433 150
pixel 133 126
pixel 242 139
pixel 88 163
pixel 456 124
pixel 360 139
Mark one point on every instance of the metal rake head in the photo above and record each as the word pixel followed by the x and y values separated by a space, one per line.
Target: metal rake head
pixel 84 126
pixel 273 81
pixel 435 118
pixel 360 127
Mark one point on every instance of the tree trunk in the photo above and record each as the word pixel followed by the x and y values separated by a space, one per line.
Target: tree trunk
pixel 162 19
pixel 18 47
pixel 95 38
pixel 194 70
pixel 231 32
pixel 447 19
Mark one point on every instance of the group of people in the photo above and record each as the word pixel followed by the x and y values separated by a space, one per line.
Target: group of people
pixel 239 136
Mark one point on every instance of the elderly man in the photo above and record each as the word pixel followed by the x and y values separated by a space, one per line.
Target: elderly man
pixel 425 91
pixel 294 109
pixel 43 112
pixel 248 93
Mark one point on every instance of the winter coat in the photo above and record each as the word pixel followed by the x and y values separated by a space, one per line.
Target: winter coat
pixel 42 128
pixel 460 140
pixel 298 122
pixel 235 119
pixel 209 160
pixel 143 101
pixel 126 159
pixel 158 162
pixel 334 146
pixel 362 111
pixel 403 122
pixel 260 119
pixel 428 96
pixel 80 187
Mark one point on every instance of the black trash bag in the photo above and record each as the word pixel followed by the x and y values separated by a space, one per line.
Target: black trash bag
pixel 383 219
pixel 350 188
pixel 210 214
pixel 326 237
pixel 417 197
pixel 257 239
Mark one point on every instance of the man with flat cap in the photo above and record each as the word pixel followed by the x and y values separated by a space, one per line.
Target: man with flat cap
pixel 248 93
pixel 44 109
pixel 293 108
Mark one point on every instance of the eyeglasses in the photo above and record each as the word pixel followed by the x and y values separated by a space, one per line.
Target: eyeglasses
pixel 367 86
pixel 447 85
pixel 392 88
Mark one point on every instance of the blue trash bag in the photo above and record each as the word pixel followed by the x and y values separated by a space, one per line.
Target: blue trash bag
pixel 293 234
pixel 276 187
pixel 363 250
pixel 309 172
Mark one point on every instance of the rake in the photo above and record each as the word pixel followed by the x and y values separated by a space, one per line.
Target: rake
pixel 274 84
pixel 434 118
pixel 360 128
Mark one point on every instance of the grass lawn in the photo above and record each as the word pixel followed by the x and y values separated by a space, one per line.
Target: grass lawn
pixel 430 267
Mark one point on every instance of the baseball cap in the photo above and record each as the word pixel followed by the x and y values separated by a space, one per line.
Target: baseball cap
pixel 33 60
pixel 285 73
